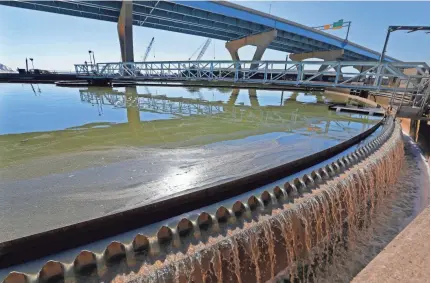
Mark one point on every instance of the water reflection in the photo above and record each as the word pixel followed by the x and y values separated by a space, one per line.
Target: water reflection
pixel 164 116
pixel 288 111
pixel 92 151
pixel 34 91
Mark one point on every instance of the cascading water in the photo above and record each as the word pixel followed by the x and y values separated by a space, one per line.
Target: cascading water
pixel 322 227
pixel 292 242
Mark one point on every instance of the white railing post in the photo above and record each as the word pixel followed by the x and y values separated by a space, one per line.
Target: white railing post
pixel 237 67
pixel 337 75
pixel 378 80
pixel 300 68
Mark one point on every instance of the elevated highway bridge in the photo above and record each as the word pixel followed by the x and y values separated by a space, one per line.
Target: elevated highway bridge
pixel 233 23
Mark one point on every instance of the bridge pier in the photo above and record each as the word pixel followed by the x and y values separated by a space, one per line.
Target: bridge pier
pixel 132 107
pixel 292 97
pixel 125 31
pixel 253 97
pixel 233 96
pixel 330 55
pixel 260 40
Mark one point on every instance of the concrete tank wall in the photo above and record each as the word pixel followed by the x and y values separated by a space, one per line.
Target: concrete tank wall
pixel 292 240
pixel 288 232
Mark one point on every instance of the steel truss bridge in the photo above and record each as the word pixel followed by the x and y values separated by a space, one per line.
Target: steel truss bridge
pixel 188 106
pixel 263 115
pixel 371 75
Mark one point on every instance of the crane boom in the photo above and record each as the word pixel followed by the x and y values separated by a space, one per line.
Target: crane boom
pixel 148 50
pixel 204 49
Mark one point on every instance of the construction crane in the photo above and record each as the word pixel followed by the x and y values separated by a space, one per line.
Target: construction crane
pixel 148 50
pixel 203 48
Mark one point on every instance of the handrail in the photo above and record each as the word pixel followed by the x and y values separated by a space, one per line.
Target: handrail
pixel 373 74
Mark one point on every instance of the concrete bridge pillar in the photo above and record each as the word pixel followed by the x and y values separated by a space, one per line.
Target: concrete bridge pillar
pixel 330 55
pixel 132 106
pixel 233 96
pixel 292 97
pixel 260 40
pixel 125 31
pixel 253 97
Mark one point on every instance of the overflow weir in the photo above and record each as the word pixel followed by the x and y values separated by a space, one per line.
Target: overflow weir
pixel 243 231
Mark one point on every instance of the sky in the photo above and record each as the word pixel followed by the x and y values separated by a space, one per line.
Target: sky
pixel 57 42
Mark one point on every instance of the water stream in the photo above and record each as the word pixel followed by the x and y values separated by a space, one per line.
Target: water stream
pixel 303 242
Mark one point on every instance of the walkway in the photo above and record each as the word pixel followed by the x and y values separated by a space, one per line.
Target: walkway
pixel 405 259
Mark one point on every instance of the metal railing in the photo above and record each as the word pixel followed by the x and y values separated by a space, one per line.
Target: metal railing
pixel 373 75
pixel 86 69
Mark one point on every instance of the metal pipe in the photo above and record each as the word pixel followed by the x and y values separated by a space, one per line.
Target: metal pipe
pixel 348 29
pixel 385 45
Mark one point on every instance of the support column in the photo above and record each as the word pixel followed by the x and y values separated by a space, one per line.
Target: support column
pixel 125 31
pixel 233 97
pixel 253 97
pixel 260 40
pixel 292 97
pixel 132 107
pixel 330 55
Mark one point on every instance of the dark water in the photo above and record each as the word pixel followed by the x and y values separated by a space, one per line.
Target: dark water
pixel 69 154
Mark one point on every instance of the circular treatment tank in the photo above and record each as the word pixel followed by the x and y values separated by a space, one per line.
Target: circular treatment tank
pixel 184 140
pixel 75 154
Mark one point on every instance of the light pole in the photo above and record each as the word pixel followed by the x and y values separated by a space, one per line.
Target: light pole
pixel 94 59
pixel 31 59
pixel 89 54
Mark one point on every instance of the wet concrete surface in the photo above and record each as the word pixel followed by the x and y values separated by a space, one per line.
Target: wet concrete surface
pixel 410 197
pixel 405 259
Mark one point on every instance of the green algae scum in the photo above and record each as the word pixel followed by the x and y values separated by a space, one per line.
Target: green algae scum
pixel 102 151
pixel 72 154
